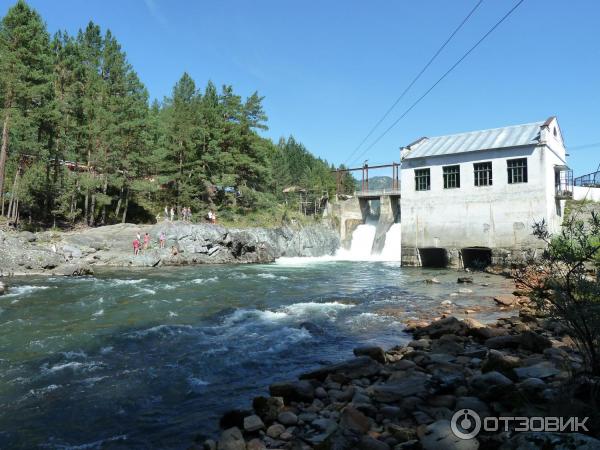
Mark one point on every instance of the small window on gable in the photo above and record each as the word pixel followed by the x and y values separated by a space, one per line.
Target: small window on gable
pixel 422 180
pixel 555 132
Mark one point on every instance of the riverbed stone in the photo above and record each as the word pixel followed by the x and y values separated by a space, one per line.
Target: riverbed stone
pixel 359 367
pixel 301 391
pixel 287 418
pixel 506 299
pixel 439 436
pixel 232 439
pixel 490 385
pixel 352 419
pixel 253 423
pixel 3 288
pixel 268 408
pixel 464 280
pixel 256 444
pixel 541 370
pixel 372 351
pixel 448 325
pixel 499 361
pixel 275 430
pixel 400 386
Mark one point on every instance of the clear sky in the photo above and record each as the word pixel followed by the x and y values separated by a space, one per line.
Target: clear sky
pixel 329 70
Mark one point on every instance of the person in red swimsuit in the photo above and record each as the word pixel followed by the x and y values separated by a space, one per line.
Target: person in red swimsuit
pixel 136 246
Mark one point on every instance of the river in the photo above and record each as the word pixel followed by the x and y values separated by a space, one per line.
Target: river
pixel 152 358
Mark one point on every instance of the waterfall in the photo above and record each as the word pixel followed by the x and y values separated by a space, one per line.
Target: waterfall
pixel 362 241
pixel 393 237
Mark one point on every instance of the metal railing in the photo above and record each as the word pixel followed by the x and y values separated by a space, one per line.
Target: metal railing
pixel 588 180
pixel 377 192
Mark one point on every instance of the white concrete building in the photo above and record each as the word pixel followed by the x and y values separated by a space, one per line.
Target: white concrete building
pixel 476 195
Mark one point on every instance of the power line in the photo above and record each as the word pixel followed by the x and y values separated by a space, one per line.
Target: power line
pixel 415 79
pixel 462 58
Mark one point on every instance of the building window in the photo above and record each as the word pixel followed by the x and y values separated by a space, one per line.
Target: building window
pixel 422 180
pixel 451 177
pixel 517 170
pixel 483 173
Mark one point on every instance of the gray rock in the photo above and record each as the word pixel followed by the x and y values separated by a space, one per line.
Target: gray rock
pixel 439 436
pixel 360 367
pixel 544 369
pixel 275 430
pixel 464 280
pixel 370 443
pixel 256 444
pixel 546 440
pixel 253 423
pixel 287 418
pixel 268 408
pixel 323 424
pixel 372 351
pixel 3 288
pixel 490 385
pixel 355 421
pixel 300 391
pixel 448 325
pixel 501 362
pixel 395 389
pixel 231 439
pixel 473 403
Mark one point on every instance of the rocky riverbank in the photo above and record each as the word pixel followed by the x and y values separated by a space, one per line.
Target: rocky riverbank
pixel 405 398
pixel 78 252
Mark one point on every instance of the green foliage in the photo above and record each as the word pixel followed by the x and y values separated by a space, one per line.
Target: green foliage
pixel 569 284
pixel 85 145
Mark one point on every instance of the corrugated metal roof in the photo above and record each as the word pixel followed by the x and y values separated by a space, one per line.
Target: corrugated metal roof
pixel 512 136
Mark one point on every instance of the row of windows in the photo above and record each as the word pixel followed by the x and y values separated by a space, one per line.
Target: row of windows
pixel 516 168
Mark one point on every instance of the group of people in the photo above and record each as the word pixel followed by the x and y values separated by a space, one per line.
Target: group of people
pixel 185 214
pixel 143 244
pixel 211 216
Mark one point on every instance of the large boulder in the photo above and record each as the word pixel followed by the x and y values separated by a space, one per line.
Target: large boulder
pixel 232 439
pixel 298 391
pixel 360 367
pixel 491 385
pixel 447 325
pixel 372 351
pixel 400 386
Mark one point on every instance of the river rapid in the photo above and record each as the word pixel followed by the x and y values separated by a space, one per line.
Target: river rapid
pixel 152 358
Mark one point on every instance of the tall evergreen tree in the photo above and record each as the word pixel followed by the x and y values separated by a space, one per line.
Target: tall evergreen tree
pixel 25 84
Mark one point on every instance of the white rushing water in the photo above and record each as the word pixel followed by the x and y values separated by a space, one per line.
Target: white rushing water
pixel 362 241
pixel 393 238
pixel 361 248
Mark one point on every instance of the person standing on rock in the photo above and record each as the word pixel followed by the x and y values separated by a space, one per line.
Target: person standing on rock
pixel 162 239
pixel 146 241
pixel 136 246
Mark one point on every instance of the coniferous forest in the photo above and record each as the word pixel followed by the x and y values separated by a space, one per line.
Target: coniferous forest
pixel 82 144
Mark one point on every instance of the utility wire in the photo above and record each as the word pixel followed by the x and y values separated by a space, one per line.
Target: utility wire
pixel 462 58
pixel 415 79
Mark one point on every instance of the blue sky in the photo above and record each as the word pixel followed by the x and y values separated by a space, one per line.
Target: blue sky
pixel 329 70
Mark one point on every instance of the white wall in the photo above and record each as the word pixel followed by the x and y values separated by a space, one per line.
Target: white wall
pixel 494 216
pixel 586 193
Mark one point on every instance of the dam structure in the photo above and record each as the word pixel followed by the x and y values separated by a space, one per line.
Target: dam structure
pixel 468 199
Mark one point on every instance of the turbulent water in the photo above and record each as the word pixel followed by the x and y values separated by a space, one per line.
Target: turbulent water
pixel 151 359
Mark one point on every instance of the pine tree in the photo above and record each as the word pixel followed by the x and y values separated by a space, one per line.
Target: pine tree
pixel 25 86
